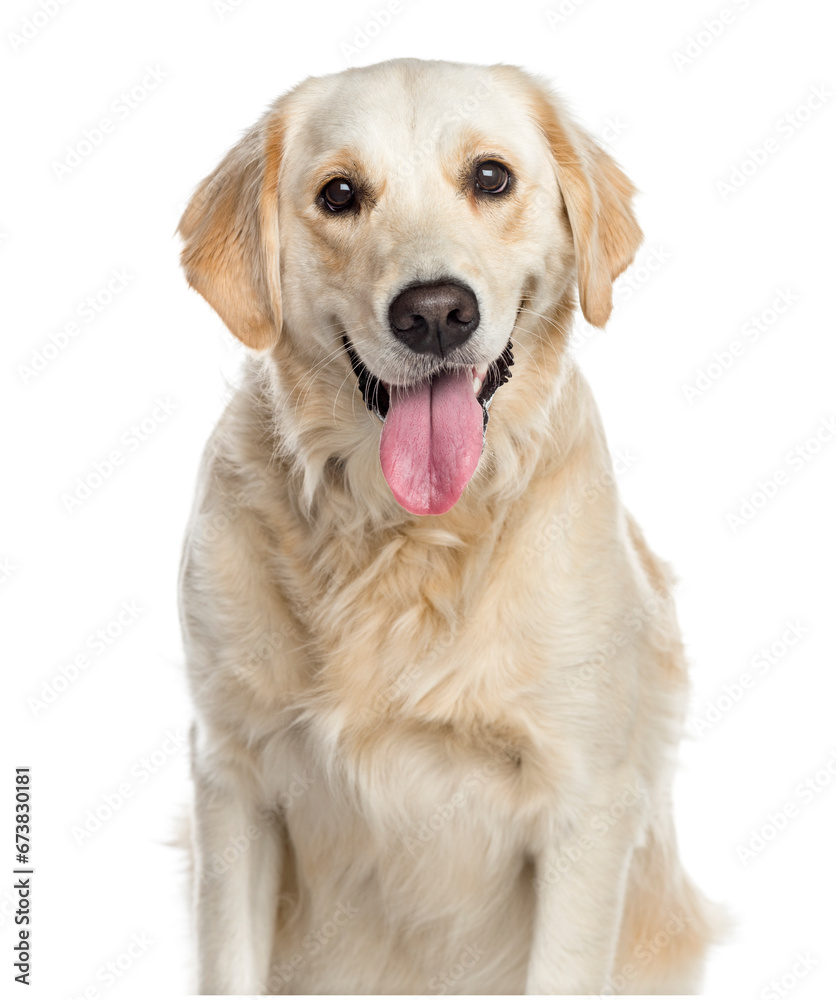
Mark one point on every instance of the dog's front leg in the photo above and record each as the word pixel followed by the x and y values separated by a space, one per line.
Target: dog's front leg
pixel 580 883
pixel 237 874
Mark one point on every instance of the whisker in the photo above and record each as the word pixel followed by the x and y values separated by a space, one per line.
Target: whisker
pixel 533 359
pixel 320 365
pixel 544 341
pixel 307 380
pixel 336 397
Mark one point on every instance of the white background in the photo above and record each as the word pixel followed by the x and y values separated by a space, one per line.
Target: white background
pixel 678 129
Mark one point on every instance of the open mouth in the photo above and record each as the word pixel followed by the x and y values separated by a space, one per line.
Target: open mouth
pixel 486 379
pixel 434 429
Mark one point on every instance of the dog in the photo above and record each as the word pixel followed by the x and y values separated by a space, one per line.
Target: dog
pixel 437 674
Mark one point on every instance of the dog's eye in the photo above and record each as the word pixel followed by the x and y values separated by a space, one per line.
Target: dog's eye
pixel 492 177
pixel 338 194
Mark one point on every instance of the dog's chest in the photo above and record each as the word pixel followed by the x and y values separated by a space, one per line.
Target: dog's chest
pixel 426 685
pixel 421 740
pixel 416 804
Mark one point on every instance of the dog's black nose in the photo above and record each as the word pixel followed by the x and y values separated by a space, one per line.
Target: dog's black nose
pixel 435 318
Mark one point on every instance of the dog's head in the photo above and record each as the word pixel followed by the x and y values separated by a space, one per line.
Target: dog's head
pixel 408 225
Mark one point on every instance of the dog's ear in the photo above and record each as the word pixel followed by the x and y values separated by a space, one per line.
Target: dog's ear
pixel 598 199
pixel 231 236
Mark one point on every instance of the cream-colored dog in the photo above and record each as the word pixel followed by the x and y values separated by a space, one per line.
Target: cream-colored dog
pixel 432 753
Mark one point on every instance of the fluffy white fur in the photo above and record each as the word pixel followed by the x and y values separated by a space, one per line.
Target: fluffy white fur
pixel 430 754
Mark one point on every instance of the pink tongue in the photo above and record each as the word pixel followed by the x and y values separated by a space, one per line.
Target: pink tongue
pixel 431 442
